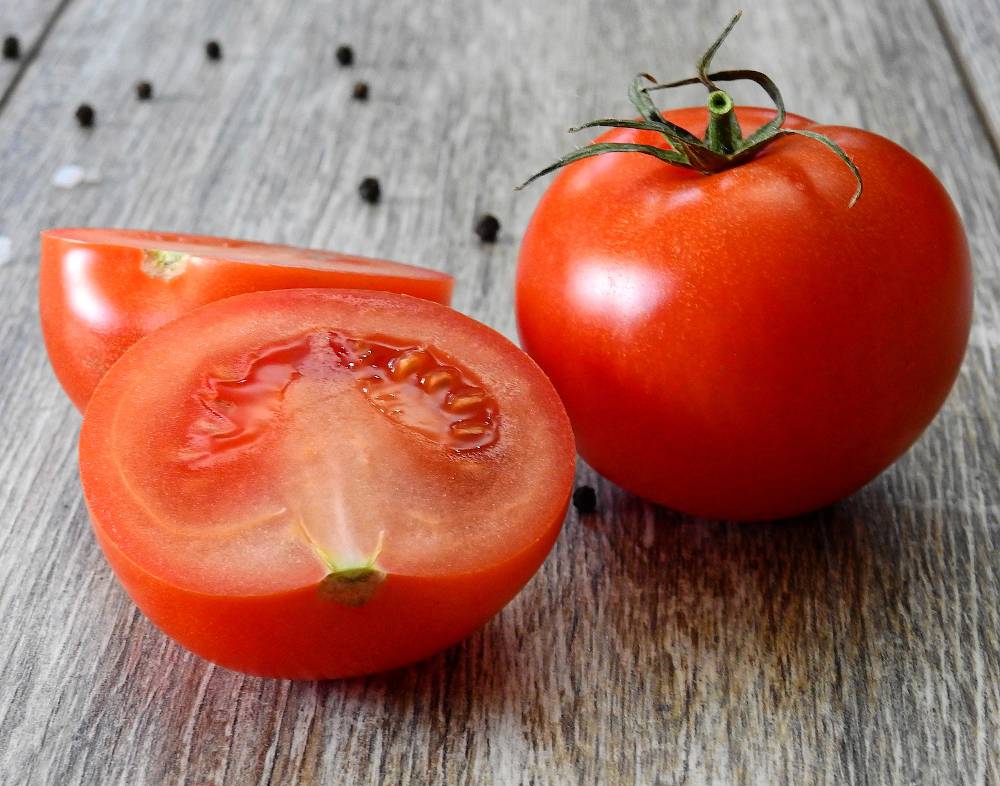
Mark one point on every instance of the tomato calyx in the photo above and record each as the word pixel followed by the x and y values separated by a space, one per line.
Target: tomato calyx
pixel 723 146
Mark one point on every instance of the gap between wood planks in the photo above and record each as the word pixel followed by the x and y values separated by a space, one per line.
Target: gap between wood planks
pixel 31 52
pixel 965 78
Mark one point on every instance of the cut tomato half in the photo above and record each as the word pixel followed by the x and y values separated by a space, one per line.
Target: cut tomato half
pixel 318 483
pixel 100 290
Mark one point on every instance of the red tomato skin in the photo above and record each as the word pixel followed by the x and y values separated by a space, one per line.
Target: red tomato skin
pixel 95 301
pixel 744 345
pixel 300 635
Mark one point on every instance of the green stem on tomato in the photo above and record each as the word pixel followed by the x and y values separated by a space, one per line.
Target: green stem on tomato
pixel 723 146
pixel 723 134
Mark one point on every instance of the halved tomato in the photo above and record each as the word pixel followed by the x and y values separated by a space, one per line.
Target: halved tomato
pixel 317 483
pixel 100 290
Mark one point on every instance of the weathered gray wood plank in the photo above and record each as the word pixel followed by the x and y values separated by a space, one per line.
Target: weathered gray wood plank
pixel 29 22
pixel 973 32
pixel 856 645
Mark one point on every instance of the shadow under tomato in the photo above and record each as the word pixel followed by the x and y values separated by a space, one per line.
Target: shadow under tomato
pixel 825 609
pixel 765 585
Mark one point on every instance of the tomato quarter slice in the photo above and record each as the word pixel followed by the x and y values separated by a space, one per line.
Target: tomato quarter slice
pixel 309 483
pixel 101 290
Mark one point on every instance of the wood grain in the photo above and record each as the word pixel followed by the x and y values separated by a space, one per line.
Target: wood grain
pixel 972 32
pixel 30 23
pixel 858 645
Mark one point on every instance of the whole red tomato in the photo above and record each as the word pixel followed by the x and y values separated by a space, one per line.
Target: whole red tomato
pixel 745 344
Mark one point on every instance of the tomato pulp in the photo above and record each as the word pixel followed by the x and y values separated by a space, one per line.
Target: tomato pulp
pixel 100 290
pixel 744 344
pixel 320 483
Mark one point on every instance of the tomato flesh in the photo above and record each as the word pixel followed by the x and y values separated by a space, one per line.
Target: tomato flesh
pixel 100 290
pixel 244 454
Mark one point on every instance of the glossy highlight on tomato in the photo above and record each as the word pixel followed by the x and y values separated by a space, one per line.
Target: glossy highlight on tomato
pixel 100 290
pixel 320 483
pixel 746 344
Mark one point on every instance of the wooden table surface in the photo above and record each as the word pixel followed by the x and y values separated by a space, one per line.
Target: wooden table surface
pixel 860 644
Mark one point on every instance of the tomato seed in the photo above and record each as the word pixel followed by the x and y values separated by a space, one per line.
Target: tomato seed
pixel 585 499
pixel 438 378
pixel 408 362
pixel 11 48
pixel 469 429
pixel 465 399
pixel 85 115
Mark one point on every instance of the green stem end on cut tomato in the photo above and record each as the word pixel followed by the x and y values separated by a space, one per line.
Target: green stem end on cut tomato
pixel 723 145
pixel 351 585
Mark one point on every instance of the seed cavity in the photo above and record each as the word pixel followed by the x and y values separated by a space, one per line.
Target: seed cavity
pixel 236 412
pixel 416 388
pixel 164 264
pixel 410 385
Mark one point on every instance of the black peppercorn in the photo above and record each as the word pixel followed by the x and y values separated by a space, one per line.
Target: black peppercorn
pixel 213 49
pixel 370 190
pixel 585 499
pixel 345 55
pixel 487 227
pixel 144 91
pixel 85 115
pixel 360 92
pixel 11 48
